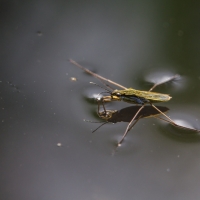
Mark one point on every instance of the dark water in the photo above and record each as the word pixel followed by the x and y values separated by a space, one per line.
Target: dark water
pixel 47 150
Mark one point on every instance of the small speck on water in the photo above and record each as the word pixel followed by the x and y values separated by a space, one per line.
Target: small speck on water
pixel 59 144
pixel 39 33
pixel 73 79
pixel 168 169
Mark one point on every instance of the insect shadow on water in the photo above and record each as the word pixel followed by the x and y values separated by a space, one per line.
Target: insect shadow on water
pixel 126 115
pixel 133 96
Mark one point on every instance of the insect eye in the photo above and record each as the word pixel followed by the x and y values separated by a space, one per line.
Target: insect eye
pixel 118 94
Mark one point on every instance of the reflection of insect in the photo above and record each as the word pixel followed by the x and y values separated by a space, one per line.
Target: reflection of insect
pixel 130 95
pixel 126 115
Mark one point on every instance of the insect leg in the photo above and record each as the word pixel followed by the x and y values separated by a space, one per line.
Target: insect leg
pixel 103 114
pixel 171 121
pixel 103 106
pixel 176 125
pixel 99 108
pixel 134 123
pixel 168 80
pixel 95 75
pixel 129 125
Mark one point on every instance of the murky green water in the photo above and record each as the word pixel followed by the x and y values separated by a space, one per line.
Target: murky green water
pixel 47 150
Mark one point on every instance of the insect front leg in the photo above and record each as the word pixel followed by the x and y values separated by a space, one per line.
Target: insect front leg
pixel 96 75
pixel 104 113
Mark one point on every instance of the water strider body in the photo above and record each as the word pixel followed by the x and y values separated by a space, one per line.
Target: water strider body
pixel 131 95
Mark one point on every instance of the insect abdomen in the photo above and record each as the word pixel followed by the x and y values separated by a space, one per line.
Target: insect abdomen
pixel 153 96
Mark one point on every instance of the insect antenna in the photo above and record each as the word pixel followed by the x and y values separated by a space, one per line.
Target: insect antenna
pixel 108 86
pixel 101 87
pixel 104 92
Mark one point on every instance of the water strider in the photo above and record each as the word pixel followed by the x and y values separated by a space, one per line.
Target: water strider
pixel 133 96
